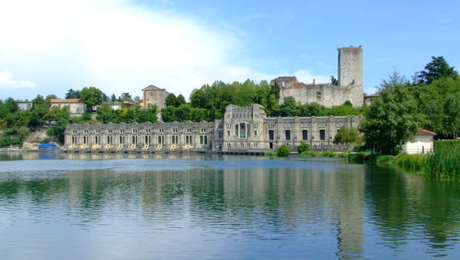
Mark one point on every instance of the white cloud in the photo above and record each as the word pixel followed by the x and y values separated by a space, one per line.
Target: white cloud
pixel 7 81
pixel 307 77
pixel 115 46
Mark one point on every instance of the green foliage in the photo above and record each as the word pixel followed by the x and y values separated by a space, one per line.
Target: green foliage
pixel 346 136
pixel 413 161
pixel 452 112
pixel 49 97
pixel 58 129
pixel 38 112
pixel 283 151
pixel 271 153
pixel 73 94
pixel 328 153
pixel 86 116
pixel 438 68
pixel 105 114
pixel 310 154
pixel 334 81
pixel 385 159
pixel 288 108
pixel 303 147
pixel 92 96
pixel 392 119
pixel 445 162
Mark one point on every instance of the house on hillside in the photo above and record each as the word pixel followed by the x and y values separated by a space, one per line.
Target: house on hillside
pixel 423 144
pixel 76 106
pixel 152 95
pixel 368 99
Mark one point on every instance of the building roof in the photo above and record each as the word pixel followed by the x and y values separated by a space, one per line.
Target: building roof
pixel 374 95
pixel 422 131
pixel 152 87
pixel 70 100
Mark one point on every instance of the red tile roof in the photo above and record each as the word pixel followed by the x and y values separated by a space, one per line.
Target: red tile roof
pixel 70 100
pixel 422 131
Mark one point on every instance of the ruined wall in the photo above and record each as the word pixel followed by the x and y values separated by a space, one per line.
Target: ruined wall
pixel 350 77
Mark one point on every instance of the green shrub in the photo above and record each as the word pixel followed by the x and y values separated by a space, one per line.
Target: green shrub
pixel 283 151
pixel 384 159
pixel 310 154
pixel 303 147
pixel 270 153
pixel 328 153
pixel 445 162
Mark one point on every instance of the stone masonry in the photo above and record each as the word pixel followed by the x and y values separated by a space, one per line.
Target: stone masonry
pixel 350 79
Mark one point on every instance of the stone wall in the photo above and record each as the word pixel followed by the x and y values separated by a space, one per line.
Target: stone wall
pixel 242 129
pixel 350 78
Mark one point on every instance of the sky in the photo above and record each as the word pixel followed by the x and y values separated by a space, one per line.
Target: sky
pixel 50 46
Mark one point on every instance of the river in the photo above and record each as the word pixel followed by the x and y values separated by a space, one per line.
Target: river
pixel 146 206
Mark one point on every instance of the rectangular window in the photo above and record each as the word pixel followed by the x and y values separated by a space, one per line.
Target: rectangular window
pixel 205 139
pixel 109 139
pixel 322 134
pixel 288 134
pixel 134 139
pixel 161 139
pixel 271 135
pixel 304 134
pixel 147 139
pixel 201 139
pixel 122 139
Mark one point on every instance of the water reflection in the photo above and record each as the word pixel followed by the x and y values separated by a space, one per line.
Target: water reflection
pixel 281 210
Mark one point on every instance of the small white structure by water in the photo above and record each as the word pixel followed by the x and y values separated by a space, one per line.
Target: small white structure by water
pixel 423 143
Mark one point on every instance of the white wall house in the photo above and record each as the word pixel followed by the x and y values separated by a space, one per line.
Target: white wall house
pixel 76 106
pixel 422 144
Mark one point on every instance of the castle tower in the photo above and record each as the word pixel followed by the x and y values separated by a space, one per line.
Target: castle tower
pixel 351 72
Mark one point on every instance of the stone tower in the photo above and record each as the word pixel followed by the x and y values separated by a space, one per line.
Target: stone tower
pixel 350 66
pixel 350 72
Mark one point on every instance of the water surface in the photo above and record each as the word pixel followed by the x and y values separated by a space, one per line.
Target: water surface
pixel 144 206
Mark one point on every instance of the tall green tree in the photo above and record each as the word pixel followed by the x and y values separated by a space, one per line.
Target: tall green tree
pixel 38 112
pixel 346 136
pixel 438 68
pixel 73 94
pixel 452 112
pixel 92 96
pixel 391 120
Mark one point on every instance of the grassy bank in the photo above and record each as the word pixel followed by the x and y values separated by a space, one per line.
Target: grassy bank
pixel 444 163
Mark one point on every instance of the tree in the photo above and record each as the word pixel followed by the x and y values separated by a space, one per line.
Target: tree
pixel 52 96
pixel 438 68
pixel 147 115
pixel 334 81
pixel 452 111
pixel 92 96
pixel 38 111
pixel 58 129
pixel 171 100
pixel 391 120
pixel 181 100
pixel 346 136
pixel 288 108
pixel 283 151
pixel 73 94
pixel 105 114
pixel 303 147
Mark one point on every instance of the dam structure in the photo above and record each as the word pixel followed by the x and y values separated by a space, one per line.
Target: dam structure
pixel 242 130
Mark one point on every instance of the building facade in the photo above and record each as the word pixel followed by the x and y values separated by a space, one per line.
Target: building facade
pixel 243 129
pixel 154 96
pixel 349 87
pixel 76 106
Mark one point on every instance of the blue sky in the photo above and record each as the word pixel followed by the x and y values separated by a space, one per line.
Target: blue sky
pixel 50 46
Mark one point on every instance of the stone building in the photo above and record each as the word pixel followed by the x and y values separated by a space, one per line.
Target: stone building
pixel 152 95
pixel 350 83
pixel 243 129
pixel 76 106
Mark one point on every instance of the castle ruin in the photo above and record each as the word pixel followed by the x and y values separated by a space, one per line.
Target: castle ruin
pixel 349 87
